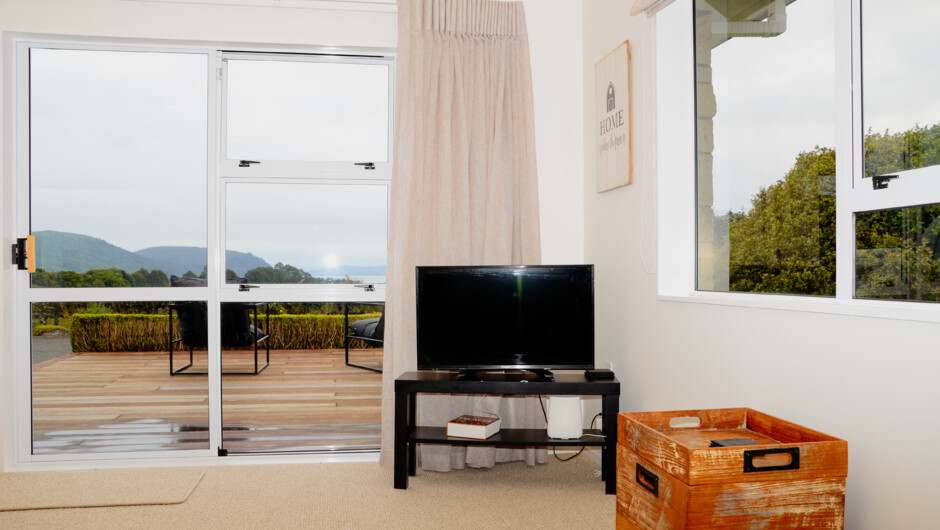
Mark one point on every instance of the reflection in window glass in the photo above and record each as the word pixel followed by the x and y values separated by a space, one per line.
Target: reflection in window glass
pixel 765 90
pixel 897 255
pixel 307 233
pixel 900 84
pixel 101 382
pixel 311 111
pixel 117 166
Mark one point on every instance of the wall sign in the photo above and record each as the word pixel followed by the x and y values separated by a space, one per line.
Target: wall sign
pixel 612 112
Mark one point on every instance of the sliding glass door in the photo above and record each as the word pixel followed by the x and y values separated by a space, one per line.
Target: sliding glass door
pixel 305 188
pixel 117 204
pixel 207 226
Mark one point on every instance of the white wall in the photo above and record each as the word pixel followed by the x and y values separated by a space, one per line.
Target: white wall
pixel 555 43
pixel 870 381
pixel 555 48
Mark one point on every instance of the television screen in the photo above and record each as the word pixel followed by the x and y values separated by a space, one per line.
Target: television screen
pixel 505 317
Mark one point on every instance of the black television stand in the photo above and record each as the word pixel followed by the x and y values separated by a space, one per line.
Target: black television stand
pixel 408 434
pixel 530 374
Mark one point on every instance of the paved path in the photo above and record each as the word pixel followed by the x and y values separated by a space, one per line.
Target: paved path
pixel 50 346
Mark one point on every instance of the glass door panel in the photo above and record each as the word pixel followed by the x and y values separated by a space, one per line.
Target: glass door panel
pixel 320 392
pixel 117 199
pixel 327 241
pixel 118 161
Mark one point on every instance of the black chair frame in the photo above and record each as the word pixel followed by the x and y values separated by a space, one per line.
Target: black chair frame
pixel 351 336
pixel 258 336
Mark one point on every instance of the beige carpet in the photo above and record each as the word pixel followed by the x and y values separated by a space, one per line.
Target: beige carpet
pixel 101 487
pixel 560 495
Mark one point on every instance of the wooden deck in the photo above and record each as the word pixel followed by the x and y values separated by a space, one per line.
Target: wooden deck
pixel 114 402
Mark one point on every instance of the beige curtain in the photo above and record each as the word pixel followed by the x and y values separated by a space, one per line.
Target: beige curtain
pixel 464 188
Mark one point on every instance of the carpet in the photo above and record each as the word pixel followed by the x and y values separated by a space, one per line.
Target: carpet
pixel 352 496
pixel 100 487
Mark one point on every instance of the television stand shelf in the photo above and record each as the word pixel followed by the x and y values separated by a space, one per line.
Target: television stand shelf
pixel 408 435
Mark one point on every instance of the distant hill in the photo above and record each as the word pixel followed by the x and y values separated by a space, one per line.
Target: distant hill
pixel 65 251
pixel 182 259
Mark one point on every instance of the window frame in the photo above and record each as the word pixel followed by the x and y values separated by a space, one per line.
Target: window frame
pixel 676 177
pixel 17 293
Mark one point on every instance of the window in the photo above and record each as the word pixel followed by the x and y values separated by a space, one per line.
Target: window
pixel 307 110
pixel 898 244
pixel 815 156
pixel 765 93
pixel 306 169
pixel 315 233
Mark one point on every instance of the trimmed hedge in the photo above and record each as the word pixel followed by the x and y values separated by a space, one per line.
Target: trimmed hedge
pixel 39 329
pixel 119 332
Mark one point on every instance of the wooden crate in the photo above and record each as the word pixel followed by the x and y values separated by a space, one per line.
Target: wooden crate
pixel 668 476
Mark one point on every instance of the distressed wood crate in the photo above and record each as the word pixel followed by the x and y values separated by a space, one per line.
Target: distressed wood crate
pixel 669 476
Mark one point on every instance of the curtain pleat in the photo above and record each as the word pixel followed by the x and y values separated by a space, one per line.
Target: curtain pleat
pixel 464 188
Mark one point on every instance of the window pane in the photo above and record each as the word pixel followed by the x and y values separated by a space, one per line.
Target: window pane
pixel 101 382
pixel 765 89
pixel 900 83
pixel 897 254
pixel 307 233
pixel 117 166
pixel 312 111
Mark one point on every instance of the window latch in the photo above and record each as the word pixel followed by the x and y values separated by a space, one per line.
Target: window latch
pixel 247 163
pixel 881 181
pixel 368 287
pixel 366 165
pixel 244 287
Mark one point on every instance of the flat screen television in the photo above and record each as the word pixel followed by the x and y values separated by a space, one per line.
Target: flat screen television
pixel 528 317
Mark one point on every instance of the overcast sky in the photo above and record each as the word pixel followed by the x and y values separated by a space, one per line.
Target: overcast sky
pixel 776 96
pixel 119 152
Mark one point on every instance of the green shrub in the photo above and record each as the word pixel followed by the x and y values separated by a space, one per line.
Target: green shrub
pixel 120 332
pixel 39 329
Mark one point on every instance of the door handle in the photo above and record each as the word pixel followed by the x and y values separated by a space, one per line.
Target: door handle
pixel 24 252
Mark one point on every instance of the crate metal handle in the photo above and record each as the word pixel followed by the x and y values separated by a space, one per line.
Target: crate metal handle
pixel 750 454
pixel 647 479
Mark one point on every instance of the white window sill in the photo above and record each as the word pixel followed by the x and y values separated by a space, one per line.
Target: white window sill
pixel 895 310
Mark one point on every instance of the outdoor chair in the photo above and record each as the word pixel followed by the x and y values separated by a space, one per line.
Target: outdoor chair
pixel 237 330
pixel 370 331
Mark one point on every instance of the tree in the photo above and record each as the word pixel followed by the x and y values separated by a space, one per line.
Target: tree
pixel 786 242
